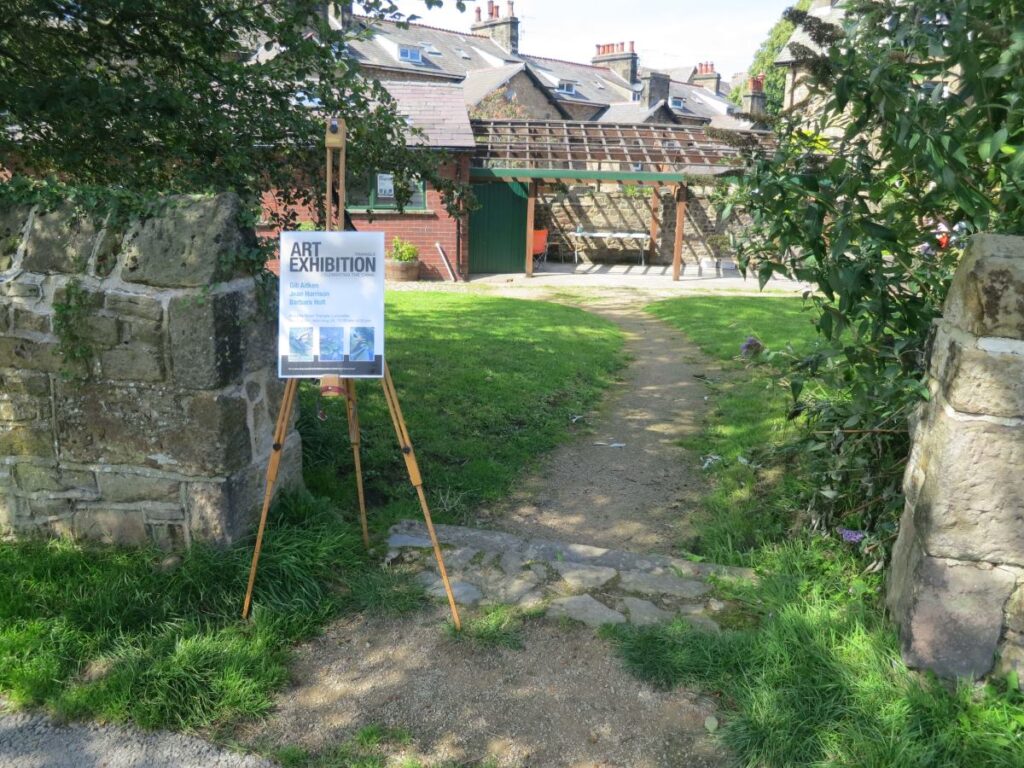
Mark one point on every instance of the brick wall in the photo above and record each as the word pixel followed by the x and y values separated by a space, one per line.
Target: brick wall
pixel 422 228
pixel 163 430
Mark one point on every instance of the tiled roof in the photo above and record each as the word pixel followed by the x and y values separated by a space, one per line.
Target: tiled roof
pixel 437 109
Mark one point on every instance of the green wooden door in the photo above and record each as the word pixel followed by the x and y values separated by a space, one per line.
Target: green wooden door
pixel 497 229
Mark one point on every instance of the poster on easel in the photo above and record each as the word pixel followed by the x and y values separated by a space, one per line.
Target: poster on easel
pixel 331 305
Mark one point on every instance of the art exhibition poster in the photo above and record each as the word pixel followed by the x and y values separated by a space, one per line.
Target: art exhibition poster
pixel 331 315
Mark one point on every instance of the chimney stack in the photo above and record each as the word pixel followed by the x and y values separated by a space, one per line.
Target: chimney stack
pixel 754 98
pixel 657 87
pixel 707 77
pixel 479 13
pixel 505 32
pixel 625 63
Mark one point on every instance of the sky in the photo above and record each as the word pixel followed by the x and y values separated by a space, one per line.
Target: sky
pixel 668 33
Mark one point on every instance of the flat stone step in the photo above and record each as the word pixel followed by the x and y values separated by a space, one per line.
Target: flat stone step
pixel 566 580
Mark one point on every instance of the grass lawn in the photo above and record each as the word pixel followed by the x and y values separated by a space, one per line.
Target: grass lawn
pixel 488 385
pixel 810 675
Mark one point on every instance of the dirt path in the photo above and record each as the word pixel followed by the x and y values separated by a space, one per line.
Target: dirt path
pixel 635 497
pixel 563 700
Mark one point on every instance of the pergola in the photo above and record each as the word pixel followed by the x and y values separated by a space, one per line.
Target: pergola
pixel 535 152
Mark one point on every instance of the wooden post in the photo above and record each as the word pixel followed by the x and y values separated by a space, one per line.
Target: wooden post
pixel 677 249
pixel 655 220
pixel 284 418
pixel 531 205
pixel 413 468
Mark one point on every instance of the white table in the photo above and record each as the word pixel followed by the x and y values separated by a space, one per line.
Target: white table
pixel 643 237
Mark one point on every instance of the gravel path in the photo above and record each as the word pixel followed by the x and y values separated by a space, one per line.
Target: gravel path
pixel 34 741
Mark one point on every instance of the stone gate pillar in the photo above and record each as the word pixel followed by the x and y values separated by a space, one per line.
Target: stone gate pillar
pixel 956 587
pixel 158 426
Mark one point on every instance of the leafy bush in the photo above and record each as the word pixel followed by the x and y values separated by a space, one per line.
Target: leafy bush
pixel 913 134
pixel 404 251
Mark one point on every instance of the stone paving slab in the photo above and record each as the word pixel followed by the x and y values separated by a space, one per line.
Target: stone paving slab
pixel 589 584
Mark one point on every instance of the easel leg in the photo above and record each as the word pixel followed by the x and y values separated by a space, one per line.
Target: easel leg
pixel 391 395
pixel 352 409
pixel 274 465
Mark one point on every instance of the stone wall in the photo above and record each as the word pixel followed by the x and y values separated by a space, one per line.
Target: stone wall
pixel 705 236
pixel 956 586
pixel 163 431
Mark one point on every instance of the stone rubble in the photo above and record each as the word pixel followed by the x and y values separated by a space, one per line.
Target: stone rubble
pixel 588 584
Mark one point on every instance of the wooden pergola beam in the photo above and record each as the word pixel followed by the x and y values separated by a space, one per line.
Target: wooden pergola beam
pixel 677 248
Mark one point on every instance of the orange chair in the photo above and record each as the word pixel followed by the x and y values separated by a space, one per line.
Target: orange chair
pixel 540 246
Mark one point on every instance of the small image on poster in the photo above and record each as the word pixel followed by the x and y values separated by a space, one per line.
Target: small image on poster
pixel 332 345
pixel 300 344
pixel 361 344
pixel 331 311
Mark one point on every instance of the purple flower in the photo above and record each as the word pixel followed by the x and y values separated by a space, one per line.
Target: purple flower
pixel 852 537
pixel 752 347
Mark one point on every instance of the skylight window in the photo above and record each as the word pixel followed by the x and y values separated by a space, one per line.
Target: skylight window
pixel 411 54
pixel 462 52
pixel 567 87
pixel 430 48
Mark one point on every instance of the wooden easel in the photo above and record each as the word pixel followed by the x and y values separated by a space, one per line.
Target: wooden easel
pixel 334 386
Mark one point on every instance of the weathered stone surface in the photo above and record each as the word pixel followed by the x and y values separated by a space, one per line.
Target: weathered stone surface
pixel 974 381
pixel 134 304
pixel 463 592
pixel 583 577
pixel 35 440
pixel 950 612
pixel 156 427
pixel 205 340
pixel 33 322
pixel 987 294
pixel 24 382
pixel 30 355
pixel 662 584
pixel 117 487
pixel 148 440
pixel 20 408
pixel 643 613
pixel 1011 657
pixel 397 540
pixel 61 241
pixel 132 362
pixel 110 526
pixel 456 559
pixel 189 244
pixel 221 512
pixel 33 478
pixel 586 609
pixel 7 511
pixel 966 502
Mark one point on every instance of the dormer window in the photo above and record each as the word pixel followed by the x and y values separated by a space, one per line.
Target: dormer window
pixel 567 87
pixel 637 96
pixel 411 54
pixel 678 103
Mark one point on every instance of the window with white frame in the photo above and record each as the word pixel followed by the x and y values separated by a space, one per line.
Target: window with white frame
pixel 678 102
pixel 567 87
pixel 411 54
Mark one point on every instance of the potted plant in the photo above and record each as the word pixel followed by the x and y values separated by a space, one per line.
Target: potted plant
pixel 403 262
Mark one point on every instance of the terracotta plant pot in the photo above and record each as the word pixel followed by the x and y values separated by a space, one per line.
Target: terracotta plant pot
pixel 401 271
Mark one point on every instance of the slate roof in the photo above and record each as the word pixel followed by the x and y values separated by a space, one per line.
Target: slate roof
pixel 634 112
pixel 702 103
pixel 598 86
pixel 480 83
pixel 457 53
pixel 437 109
pixel 829 14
